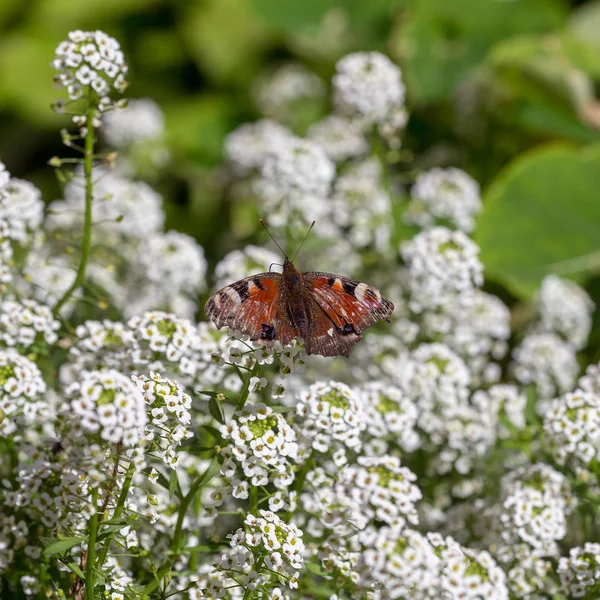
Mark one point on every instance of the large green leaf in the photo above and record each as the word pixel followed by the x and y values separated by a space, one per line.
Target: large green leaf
pixel 542 215
pixel 439 42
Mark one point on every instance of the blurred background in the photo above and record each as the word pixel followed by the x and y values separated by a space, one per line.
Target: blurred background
pixel 504 89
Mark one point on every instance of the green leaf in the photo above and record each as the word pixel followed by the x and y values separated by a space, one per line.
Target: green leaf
pixel 73 566
pixel 173 483
pixel 59 546
pixel 281 408
pixel 542 215
pixel 210 472
pixel 439 42
pixel 214 407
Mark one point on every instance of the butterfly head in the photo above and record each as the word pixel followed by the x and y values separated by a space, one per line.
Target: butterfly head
pixel 291 275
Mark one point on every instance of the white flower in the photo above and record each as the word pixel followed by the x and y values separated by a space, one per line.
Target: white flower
pixel 368 85
pixel 21 208
pixel 546 361
pixel 444 195
pixel 580 572
pixel 340 137
pixel 21 389
pixel 565 309
pixel 22 321
pixel 247 148
pixel 108 403
pixel 139 121
pixel 572 426
pixel 442 264
pixel 4 175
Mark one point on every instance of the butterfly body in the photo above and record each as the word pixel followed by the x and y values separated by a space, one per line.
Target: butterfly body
pixel 329 312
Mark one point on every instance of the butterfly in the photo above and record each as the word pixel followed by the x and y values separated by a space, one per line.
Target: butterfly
pixel 329 312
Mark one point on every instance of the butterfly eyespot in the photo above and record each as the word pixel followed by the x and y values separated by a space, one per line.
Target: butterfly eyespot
pixel 267 333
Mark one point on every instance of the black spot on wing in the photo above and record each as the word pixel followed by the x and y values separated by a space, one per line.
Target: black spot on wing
pixel 267 333
pixel 349 287
pixel 371 293
pixel 241 288
pixel 331 281
pixel 257 283
pixel 347 329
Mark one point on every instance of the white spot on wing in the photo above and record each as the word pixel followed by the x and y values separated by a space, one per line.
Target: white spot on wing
pixel 233 295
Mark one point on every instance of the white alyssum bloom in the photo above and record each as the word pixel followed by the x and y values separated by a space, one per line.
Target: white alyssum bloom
pixel 535 503
pixel 122 208
pixel 448 196
pixel 6 256
pixel 263 445
pixel 296 179
pixel 333 416
pixel 546 361
pixel 4 176
pixel 572 427
pixel 21 390
pixel 22 209
pixel 340 137
pixel 170 264
pixel 248 146
pixel 243 263
pixel 361 207
pixel 395 564
pixel 476 326
pixel 468 573
pixel 590 381
pixel 390 414
pixel 580 572
pixel 22 321
pixel 168 410
pixel 141 120
pixel 502 400
pixel 107 403
pixel 442 264
pixel 382 490
pixel 276 94
pixel 565 309
pixel 90 59
pixel 368 85
pixel 269 539
pixel 47 277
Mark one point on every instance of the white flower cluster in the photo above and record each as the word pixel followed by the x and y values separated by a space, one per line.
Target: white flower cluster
pixel 107 403
pixel 6 256
pixel 572 427
pixel 264 445
pixel 90 59
pixel 266 540
pixel 122 208
pixel 383 490
pixel 295 181
pixel 441 265
pixel 565 309
pixel 21 389
pixel 502 400
pixel 172 272
pixel 4 176
pixel 22 321
pixel 535 503
pixel 398 563
pixel 546 361
pixel 247 148
pixel 590 382
pixel 580 572
pixel 467 573
pixel 141 120
pixel 390 414
pixel 168 416
pixel 277 93
pixel 332 418
pixel 445 196
pixel 21 209
pixel 367 85
pixel 340 137
pixel 361 207
pixel 477 327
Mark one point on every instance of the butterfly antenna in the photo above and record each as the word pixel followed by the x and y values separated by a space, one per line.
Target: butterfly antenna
pixel 302 244
pixel 282 252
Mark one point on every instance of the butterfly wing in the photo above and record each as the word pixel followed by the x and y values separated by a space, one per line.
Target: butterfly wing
pixel 251 305
pixel 347 308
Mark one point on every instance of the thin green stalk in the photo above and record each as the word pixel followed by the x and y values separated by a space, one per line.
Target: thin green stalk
pixel 91 551
pixel 118 510
pixel 254 500
pixel 88 159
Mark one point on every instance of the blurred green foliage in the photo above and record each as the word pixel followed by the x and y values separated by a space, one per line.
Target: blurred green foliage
pixel 487 81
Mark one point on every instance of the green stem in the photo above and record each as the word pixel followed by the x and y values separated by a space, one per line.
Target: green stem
pixel 246 389
pixel 118 510
pixel 254 500
pixel 87 222
pixel 91 556
pixel 301 478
